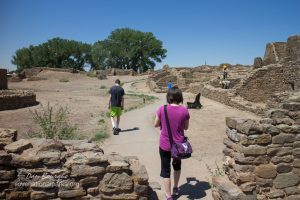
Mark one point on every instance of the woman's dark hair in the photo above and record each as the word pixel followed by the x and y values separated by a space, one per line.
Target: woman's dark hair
pixel 174 95
pixel 118 81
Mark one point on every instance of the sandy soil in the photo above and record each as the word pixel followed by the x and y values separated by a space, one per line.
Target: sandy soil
pixel 85 97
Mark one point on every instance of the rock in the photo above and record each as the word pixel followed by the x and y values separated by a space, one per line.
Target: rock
pixel 41 195
pixel 285 159
pixel 248 127
pixel 18 146
pixel 86 158
pixel 46 182
pixel 141 189
pixel 256 139
pixel 67 184
pixel 278 113
pixel 227 190
pixel 284 168
pixel 93 191
pixel 7 136
pixel 232 145
pixel 49 157
pixel 117 166
pixel 5 158
pixel 266 171
pixel 293 197
pixel 291 106
pixel 258 63
pixel 116 183
pixel 28 159
pixel 296 144
pixel 139 173
pixel 295 129
pixel 286 180
pixel 276 194
pixel 254 150
pixel 296 152
pixel 71 194
pixel 292 190
pixel 89 182
pixel 248 187
pixel 80 171
pixel 272 130
pixel 286 121
pixel 243 177
pixel 119 197
pixel 283 138
pixel 296 163
pixel 231 122
pixel 52 145
pixel 18 195
pixel 7 175
pixel 233 135
pixel 279 151
pixel 264 182
pixel 243 168
pixel 4 185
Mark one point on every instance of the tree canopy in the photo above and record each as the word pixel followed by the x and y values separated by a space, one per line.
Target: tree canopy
pixel 57 53
pixel 124 48
pixel 128 49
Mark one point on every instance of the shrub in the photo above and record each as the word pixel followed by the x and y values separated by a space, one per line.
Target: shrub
pixel 53 123
pixel 102 87
pixel 91 74
pixel 64 80
pixel 100 135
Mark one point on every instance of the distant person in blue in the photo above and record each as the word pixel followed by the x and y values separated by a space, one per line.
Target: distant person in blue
pixel 170 85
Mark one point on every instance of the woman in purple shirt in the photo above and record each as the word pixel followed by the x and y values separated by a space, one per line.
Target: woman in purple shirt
pixel 179 121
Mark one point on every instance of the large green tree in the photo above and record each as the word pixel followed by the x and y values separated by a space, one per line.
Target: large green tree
pixel 57 53
pixel 128 49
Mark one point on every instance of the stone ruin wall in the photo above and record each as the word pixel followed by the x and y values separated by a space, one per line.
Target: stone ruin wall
pixel 269 80
pixel 3 79
pixel 274 53
pixel 262 157
pixel 14 99
pixel 41 169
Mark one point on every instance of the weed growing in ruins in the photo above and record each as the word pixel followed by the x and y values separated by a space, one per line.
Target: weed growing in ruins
pixel 91 74
pixel 217 171
pixel 53 123
pixel 102 87
pixel 100 135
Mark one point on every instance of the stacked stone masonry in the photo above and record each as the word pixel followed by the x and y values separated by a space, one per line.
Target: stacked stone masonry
pixel 51 169
pixel 3 79
pixel 14 99
pixel 262 157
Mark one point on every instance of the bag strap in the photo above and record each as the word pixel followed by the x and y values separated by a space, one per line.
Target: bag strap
pixel 168 125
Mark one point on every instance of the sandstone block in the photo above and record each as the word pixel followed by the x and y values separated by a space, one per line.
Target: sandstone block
pixel 5 158
pixel 291 106
pixel 44 183
pixel 81 171
pixel 284 159
pixel 41 195
pixel 284 167
pixel 254 150
pixel 49 145
pixel 296 152
pixel 276 194
pixel 117 166
pixel 141 189
pixel 243 177
pixel 285 121
pixel 283 138
pixel 264 182
pixel 139 173
pixel 279 151
pixel 7 175
pixel 248 187
pixel 272 130
pixel 86 158
pixel 7 136
pixel 227 190
pixel 286 180
pixel 93 191
pixel 28 159
pixel 18 146
pixel 295 129
pixel 296 144
pixel 292 190
pixel 120 197
pixel 49 157
pixel 243 168
pixel 296 163
pixel 232 145
pixel 293 197
pixel 233 135
pixel 266 171
pixel 17 195
pixel 248 127
pixel 89 182
pixel 256 139
pixel 277 113
pixel 71 194
pixel 116 183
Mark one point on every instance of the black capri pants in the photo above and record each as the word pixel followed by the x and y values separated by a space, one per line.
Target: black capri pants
pixel 165 157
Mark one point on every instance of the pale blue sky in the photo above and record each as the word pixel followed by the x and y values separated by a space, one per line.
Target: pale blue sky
pixel 193 31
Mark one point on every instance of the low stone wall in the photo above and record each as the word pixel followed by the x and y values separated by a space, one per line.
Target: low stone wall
pixel 52 169
pixel 31 72
pixel 262 158
pixel 14 99
pixel 3 79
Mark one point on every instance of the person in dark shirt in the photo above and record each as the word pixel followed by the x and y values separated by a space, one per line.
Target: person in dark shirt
pixel 116 105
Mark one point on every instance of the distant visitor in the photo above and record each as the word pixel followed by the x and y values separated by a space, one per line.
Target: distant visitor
pixel 170 85
pixel 116 105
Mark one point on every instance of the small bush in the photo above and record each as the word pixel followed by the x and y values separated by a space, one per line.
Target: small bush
pixel 91 74
pixel 64 80
pixel 53 123
pixel 100 135
pixel 102 87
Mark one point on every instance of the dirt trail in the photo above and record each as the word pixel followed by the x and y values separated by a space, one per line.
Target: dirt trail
pixel 207 130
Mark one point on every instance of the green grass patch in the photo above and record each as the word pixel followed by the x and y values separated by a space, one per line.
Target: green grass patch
pixel 91 74
pixel 100 135
pixel 102 87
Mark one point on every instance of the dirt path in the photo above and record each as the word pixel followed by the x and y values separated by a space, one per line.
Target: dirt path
pixel 207 130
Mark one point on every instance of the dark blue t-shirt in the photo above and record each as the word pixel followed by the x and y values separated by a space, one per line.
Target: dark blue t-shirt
pixel 116 92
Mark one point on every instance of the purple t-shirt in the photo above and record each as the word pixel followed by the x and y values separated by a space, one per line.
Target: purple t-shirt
pixel 177 116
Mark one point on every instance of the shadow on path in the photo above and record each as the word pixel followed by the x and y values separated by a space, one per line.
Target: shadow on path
pixel 193 189
pixel 131 129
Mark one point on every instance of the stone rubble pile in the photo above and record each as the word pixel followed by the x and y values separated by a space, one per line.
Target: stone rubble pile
pixel 61 169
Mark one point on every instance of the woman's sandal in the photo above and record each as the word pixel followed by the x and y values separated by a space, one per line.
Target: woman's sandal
pixel 176 191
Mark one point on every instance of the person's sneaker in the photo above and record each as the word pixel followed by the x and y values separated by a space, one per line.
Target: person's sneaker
pixel 176 191
pixel 115 131
pixel 118 129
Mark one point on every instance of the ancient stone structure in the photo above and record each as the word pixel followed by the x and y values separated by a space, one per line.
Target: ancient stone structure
pixel 33 72
pixel 51 169
pixel 117 72
pixel 261 157
pixel 14 99
pixel 3 79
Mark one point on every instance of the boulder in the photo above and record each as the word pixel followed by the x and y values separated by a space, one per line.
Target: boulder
pixel 116 184
pixel 18 146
